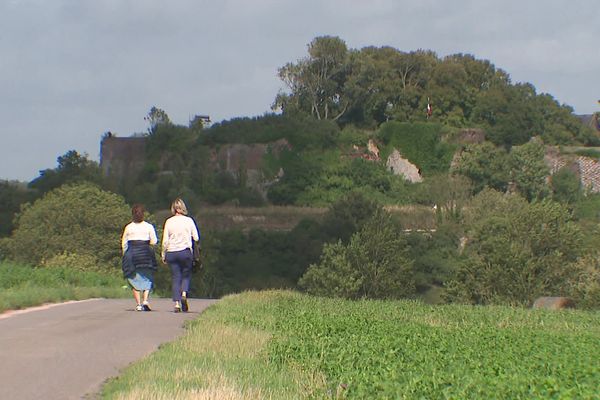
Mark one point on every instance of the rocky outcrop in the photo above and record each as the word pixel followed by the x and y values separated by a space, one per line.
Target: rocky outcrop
pixel 401 166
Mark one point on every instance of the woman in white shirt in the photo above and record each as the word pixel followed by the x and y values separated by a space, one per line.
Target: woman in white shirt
pixel 178 233
pixel 139 261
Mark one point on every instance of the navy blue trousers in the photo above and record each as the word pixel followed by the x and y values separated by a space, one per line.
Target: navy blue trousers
pixel 180 263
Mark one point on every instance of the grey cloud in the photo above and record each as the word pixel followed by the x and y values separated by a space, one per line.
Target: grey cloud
pixel 71 70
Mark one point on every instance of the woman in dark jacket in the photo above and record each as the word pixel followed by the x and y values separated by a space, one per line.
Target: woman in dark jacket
pixel 139 261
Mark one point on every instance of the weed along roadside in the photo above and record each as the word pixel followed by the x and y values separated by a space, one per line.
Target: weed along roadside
pixel 22 286
pixel 286 345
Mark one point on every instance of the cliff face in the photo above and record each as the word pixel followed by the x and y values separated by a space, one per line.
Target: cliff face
pixel 122 156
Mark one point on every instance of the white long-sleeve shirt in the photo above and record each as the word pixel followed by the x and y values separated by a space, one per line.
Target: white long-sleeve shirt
pixel 138 231
pixel 178 233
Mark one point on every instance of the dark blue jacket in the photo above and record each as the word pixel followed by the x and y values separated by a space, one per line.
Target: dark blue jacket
pixel 139 254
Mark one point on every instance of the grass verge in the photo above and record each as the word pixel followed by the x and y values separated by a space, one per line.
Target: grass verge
pixel 222 356
pixel 284 345
pixel 24 286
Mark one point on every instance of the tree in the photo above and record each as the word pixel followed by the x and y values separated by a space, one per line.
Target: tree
pixel 516 251
pixel 529 171
pixel 566 186
pixel 485 165
pixel 72 167
pixel 449 193
pixel 374 264
pixel 12 196
pixel 155 118
pixel 316 82
pixel 78 218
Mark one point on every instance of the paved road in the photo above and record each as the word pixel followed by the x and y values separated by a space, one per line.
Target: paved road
pixel 67 351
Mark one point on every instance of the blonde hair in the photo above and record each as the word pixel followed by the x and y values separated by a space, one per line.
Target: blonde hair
pixel 178 206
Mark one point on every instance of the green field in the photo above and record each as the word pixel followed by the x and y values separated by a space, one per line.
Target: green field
pixel 25 286
pixel 284 345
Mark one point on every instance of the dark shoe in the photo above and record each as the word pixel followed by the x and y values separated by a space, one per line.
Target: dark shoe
pixel 184 304
pixel 146 307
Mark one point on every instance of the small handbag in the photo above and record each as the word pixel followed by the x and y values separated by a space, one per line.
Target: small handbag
pixel 196 256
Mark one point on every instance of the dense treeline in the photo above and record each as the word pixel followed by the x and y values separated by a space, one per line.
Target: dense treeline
pixel 506 231
pixel 372 85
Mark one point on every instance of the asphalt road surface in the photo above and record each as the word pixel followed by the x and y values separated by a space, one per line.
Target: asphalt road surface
pixel 67 351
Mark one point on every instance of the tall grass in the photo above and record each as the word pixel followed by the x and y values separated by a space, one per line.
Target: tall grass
pixel 220 357
pixel 284 345
pixel 24 286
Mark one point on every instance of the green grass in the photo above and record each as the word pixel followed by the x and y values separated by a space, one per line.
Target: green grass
pixel 24 286
pixel 284 345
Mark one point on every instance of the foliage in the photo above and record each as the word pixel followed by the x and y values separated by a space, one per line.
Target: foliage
pixel 24 286
pixel 79 262
pixel 420 143
pixel 485 164
pixel 448 194
pixel 565 186
pixel 516 251
pixel 317 81
pixel 319 178
pixel 373 85
pixel 374 264
pixel 584 284
pixel 303 133
pixel 347 216
pixel 529 170
pixel 435 255
pixel 156 117
pixel 12 196
pixel 72 168
pixel 78 218
pixel 400 349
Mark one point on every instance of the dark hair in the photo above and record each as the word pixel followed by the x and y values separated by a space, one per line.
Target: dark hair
pixel 137 211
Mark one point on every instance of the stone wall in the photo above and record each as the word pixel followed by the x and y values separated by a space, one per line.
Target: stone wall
pixel 122 156
pixel 586 168
pixel 125 156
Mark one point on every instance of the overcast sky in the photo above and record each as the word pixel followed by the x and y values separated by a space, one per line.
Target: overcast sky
pixel 71 70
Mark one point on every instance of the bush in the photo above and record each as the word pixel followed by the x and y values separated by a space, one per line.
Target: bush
pixel 566 186
pixel 516 251
pixel 77 219
pixel 584 285
pixel 79 262
pixel 373 265
pixel 420 143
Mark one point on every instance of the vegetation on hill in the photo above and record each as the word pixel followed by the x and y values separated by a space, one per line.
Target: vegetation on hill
pixel 340 102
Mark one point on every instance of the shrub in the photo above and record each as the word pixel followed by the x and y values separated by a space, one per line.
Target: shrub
pixel 584 285
pixel 420 143
pixel 79 219
pixel 373 265
pixel 516 251
pixel 80 262
pixel 566 186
